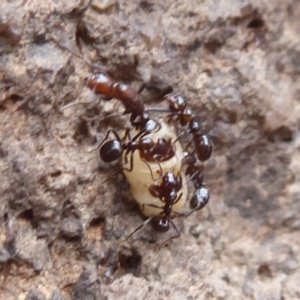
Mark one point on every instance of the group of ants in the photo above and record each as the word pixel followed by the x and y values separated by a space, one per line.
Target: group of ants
pixel 161 149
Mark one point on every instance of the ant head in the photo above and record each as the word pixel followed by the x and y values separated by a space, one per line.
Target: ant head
pixel 189 158
pixel 146 143
pixel 99 83
pixel 200 198
pixel 194 127
pixel 160 223
pixel 176 102
pixel 169 178
pixel 90 81
pixel 151 126
pixel 164 142
pixel 111 151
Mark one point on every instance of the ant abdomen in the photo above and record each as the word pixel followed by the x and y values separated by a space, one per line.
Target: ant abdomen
pixel 200 198
pixel 111 151
pixel 101 84
pixel 203 146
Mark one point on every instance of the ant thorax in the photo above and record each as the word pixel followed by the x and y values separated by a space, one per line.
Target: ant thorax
pixel 140 178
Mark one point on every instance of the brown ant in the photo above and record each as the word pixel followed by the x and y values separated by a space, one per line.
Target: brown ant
pixel 178 108
pixel 168 192
pixel 195 171
pixel 109 88
pixel 104 85
pixel 151 151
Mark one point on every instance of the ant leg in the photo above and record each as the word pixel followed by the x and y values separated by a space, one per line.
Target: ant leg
pixel 155 191
pixel 112 116
pixel 160 170
pixel 178 137
pixel 142 87
pixel 109 131
pixel 114 175
pixel 137 229
pixel 177 235
pixel 130 163
pixel 187 146
pixel 126 161
pixel 138 135
pixel 196 173
pixel 158 110
pixel 155 206
pixel 179 197
pixel 144 132
pixel 127 135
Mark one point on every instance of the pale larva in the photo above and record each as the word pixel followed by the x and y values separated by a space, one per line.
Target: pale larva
pixel 140 178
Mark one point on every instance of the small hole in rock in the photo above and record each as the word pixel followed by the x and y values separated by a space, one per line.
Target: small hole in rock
pixel 15 98
pixel 283 134
pixel 83 34
pixel 130 260
pixel 97 222
pixel 82 131
pixel 147 6
pixel 256 23
pixel 39 39
pixel 213 45
pixel 56 173
pixel 27 215
pixel 264 270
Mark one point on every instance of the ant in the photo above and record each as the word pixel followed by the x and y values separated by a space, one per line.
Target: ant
pixel 178 108
pixel 168 193
pixel 104 85
pixel 195 171
pixel 109 88
pixel 150 151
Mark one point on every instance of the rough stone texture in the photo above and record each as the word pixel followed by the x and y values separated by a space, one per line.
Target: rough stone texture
pixel 238 64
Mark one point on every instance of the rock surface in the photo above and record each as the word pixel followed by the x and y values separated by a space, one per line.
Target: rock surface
pixel 238 64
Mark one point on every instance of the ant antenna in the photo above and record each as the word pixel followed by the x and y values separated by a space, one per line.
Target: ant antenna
pixel 160 170
pixel 71 51
pixel 138 228
pixel 73 104
pixel 89 64
pixel 177 235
